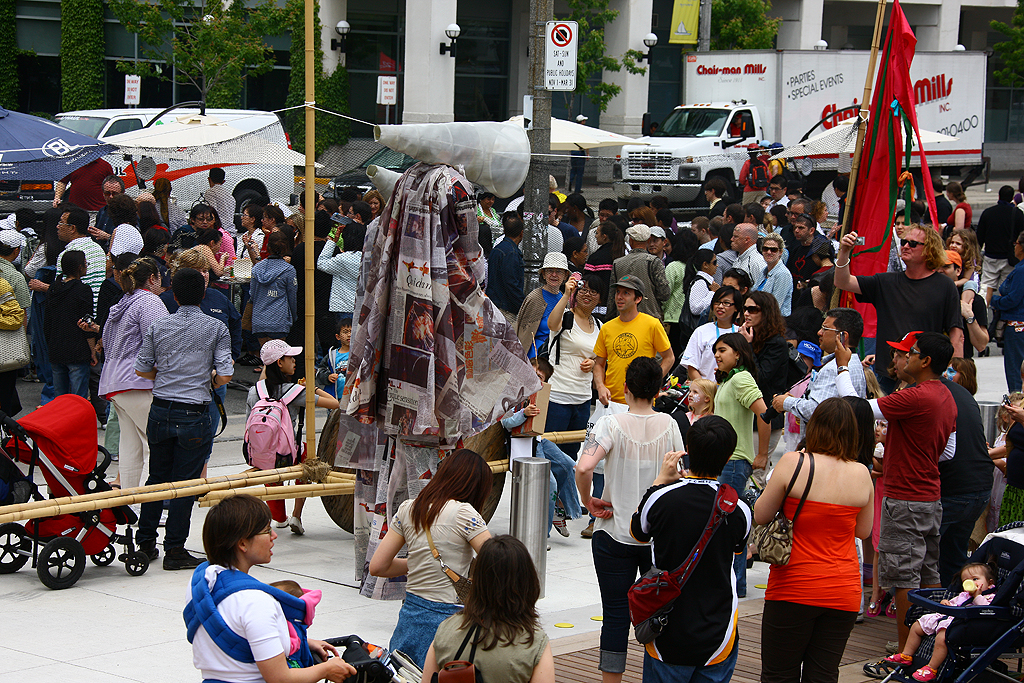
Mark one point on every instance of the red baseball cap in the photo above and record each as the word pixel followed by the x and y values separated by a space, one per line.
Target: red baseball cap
pixel 907 342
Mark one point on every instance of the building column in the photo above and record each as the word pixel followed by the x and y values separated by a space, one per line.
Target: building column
pixel 810 23
pixel 948 26
pixel 429 88
pixel 330 14
pixel 626 110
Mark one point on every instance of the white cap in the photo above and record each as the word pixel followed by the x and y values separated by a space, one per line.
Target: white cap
pixel 12 238
pixel 276 349
pixel 580 118
pixel 639 232
pixel 658 231
pixel 126 240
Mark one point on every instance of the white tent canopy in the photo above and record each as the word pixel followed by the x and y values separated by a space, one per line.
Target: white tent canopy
pixel 205 139
pixel 842 139
pixel 568 136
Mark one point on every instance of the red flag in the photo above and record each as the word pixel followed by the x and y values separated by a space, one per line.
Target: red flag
pixel 884 158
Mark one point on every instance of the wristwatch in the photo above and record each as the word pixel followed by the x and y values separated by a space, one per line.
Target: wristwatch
pixel 842 368
pixel 969 320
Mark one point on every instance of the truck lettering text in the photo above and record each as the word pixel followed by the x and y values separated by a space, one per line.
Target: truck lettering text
pixel 830 118
pixel 716 70
pixel 934 88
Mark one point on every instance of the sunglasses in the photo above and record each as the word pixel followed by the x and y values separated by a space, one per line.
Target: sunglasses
pixel 770 250
pixel 913 244
pixel 752 309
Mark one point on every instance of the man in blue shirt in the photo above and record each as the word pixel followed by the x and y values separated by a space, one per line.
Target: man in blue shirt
pixel 183 353
pixel 505 269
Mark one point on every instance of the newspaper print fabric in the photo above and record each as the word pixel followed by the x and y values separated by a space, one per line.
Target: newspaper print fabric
pixel 432 359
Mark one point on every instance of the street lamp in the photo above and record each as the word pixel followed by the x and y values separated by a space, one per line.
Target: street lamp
pixel 452 32
pixel 342 28
pixel 821 45
pixel 650 40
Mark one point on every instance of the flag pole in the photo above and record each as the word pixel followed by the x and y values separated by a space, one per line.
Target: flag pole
pixel 865 105
pixel 310 313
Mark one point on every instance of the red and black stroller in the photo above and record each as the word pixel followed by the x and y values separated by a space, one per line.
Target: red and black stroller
pixel 60 439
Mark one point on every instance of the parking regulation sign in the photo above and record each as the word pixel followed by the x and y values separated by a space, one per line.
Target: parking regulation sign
pixel 561 38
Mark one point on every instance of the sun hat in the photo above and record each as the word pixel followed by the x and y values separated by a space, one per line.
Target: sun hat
pixel 555 260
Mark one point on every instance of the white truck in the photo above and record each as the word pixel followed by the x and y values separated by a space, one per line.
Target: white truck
pixel 746 97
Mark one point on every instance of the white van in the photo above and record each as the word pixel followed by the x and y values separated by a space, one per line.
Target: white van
pixel 188 182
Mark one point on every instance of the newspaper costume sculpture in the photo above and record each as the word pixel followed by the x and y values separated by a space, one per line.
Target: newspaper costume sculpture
pixel 432 359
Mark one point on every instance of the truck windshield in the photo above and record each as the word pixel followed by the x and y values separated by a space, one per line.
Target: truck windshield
pixel 693 123
pixel 86 125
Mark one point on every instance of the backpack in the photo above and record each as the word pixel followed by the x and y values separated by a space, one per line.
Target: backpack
pixel 759 173
pixel 270 440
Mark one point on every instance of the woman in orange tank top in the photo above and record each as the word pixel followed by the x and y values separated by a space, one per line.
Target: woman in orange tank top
pixel 811 602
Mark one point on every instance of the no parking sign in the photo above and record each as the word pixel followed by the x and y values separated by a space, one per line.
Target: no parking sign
pixel 560 55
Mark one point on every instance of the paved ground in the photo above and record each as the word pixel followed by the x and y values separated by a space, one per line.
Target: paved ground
pixel 111 627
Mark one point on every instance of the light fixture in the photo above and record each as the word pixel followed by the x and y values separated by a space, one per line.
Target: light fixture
pixel 959 48
pixel 342 28
pixel 650 40
pixel 821 45
pixel 452 32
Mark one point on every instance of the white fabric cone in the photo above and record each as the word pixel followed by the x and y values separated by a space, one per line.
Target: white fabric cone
pixel 384 179
pixel 495 155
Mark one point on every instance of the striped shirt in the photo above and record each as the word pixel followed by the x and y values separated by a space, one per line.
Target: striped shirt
pixel 95 261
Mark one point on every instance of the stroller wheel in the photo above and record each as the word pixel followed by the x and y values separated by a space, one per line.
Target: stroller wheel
pixel 136 563
pixel 103 557
pixel 61 563
pixel 15 547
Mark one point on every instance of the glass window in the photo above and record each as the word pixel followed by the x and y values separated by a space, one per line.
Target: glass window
pixel 86 125
pixel 997 114
pixel 123 126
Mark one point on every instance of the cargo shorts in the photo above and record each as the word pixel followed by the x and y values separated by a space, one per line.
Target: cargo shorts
pixel 908 543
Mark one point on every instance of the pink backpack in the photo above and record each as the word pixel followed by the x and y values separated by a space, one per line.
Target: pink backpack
pixel 270 439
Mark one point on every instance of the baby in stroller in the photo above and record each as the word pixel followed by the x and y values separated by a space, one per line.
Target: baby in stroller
pixel 979 582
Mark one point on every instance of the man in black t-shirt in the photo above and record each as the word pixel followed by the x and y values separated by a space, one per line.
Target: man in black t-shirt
pixel 966 481
pixel 701 630
pixel 921 298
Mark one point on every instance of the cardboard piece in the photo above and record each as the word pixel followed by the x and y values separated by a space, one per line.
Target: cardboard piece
pixel 534 426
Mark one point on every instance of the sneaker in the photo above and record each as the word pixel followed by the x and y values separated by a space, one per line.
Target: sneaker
pixel 282 524
pixel 295 524
pixel 151 551
pixel 892 646
pixel 588 532
pixel 179 558
pixel 561 527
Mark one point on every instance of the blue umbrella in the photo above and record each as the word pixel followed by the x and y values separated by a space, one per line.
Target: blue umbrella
pixel 37 149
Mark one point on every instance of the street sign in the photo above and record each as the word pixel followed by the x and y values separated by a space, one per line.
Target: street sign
pixel 560 41
pixel 132 89
pixel 387 90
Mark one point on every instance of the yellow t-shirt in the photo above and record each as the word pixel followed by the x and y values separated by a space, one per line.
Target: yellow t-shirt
pixel 619 343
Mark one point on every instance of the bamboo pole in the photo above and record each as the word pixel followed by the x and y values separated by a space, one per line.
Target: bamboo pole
pixel 309 236
pixel 858 150
pixel 280 492
pixel 142 494
pixel 565 437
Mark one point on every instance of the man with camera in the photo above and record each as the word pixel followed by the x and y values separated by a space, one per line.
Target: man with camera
pixel 840 323
pixel 920 298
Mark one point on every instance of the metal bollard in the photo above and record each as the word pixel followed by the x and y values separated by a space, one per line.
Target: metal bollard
pixel 531 492
pixel 988 419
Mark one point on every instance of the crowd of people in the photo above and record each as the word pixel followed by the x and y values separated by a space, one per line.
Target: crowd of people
pixel 884 469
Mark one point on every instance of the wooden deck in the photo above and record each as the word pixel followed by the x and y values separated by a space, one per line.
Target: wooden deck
pixel 866 643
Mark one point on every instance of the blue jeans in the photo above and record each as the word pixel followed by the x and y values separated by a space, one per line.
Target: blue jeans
pixel 657 671
pixel 736 473
pixel 417 623
pixel 563 481
pixel 41 354
pixel 1013 355
pixel 567 418
pixel 575 183
pixel 70 379
pixel 179 443
pixel 221 391
pixel 618 566
pixel 959 513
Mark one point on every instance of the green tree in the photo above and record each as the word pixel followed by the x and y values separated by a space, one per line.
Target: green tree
pixel 1011 51
pixel 593 16
pixel 743 25
pixel 81 54
pixel 331 91
pixel 212 44
pixel 9 85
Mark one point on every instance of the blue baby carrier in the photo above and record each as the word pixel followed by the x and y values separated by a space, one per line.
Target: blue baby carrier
pixel 202 611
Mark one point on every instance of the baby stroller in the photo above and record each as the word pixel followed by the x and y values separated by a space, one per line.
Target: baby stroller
pixel 60 439
pixel 978 636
